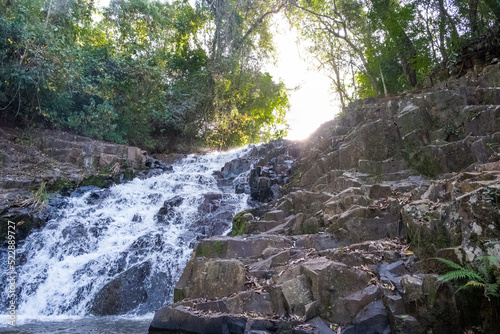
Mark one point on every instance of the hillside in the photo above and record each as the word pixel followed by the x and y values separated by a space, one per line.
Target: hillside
pixel 347 246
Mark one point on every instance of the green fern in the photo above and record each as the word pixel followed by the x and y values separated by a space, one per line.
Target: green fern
pixel 490 260
pixel 493 290
pixel 481 279
pixel 473 284
pixel 448 262
pixel 461 274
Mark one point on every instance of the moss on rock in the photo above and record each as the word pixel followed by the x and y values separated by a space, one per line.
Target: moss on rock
pixel 211 249
pixel 241 223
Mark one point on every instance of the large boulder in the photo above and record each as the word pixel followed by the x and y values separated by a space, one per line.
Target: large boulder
pixel 202 279
pixel 124 293
pixel 166 214
pixel 181 320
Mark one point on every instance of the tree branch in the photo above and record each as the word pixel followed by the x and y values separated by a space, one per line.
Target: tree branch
pixel 258 22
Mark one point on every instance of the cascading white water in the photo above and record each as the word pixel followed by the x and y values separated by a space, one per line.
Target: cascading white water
pixel 136 236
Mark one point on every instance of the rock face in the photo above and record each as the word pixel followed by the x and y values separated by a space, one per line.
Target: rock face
pixel 122 294
pixel 347 243
pixel 54 161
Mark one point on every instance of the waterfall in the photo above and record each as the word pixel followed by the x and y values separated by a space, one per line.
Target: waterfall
pixel 120 250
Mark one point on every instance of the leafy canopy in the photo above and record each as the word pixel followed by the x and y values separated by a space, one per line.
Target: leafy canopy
pixel 160 75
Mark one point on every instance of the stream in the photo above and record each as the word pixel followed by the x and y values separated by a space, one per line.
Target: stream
pixel 119 250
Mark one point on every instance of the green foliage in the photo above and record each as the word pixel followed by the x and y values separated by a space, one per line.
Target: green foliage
pixel 155 73
pixel 98 180
pixel 141 72
pixel 482 277
pixel 249 105
pixel 178 295
pixel 450 129
pixel 61 186
pixel 492 146
pixel 240 223
pixel 375 47
pixel 211 249
pixel 38 200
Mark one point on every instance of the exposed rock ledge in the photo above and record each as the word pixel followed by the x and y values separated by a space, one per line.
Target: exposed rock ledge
pixel 376 194
pixel 57 159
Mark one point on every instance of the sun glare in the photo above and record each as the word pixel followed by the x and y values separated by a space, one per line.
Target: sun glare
pixel 311 103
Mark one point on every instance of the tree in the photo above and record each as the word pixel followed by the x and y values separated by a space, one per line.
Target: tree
pixel 389 45
pixel 336 22
pixel 148 73
pixel 239 43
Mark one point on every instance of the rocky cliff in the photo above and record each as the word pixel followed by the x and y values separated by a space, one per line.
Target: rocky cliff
pixel 348 244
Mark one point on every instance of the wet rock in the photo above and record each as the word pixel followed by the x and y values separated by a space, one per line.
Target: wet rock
pixel 82 190
pixel 241 189
pixel 180 319
pixel 260 186
pixel 170 158
pixel 74 232
pixel 137 218
pixel 270 175
pixel 97 196
pixel 153 163
pixel 166 212
pixel 147 242
pixel 211 202
pixel 235 167
pixel 122 294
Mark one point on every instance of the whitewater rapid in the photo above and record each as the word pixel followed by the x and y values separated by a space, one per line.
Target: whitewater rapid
pixel 104 237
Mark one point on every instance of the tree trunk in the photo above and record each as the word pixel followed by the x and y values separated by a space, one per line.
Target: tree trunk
pixel 323 20
pixel 383 81
pixel 48 14
pixel 354 80
pixel 340 91
pixel 406 49
pixel 474 27
pixel 409 63
pixel 442 32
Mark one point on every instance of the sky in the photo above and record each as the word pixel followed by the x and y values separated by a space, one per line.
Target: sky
pixel 311 104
